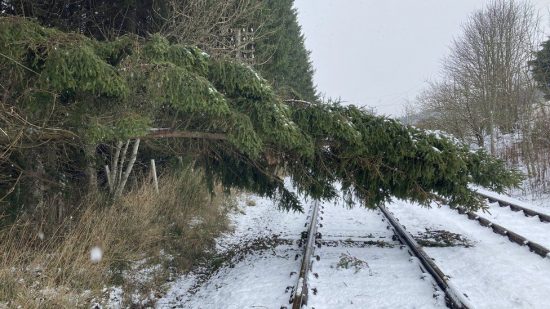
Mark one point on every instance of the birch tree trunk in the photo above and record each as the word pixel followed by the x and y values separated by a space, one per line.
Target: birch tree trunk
pixel 129 166
pixel 114 163
pixel 122 158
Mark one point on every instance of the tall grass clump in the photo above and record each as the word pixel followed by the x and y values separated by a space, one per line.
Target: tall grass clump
pixel 46 264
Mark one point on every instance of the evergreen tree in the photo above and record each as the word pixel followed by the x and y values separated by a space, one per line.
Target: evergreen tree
pixel 540 67
pixel 282 55
pixel 75 91
pixel 101 19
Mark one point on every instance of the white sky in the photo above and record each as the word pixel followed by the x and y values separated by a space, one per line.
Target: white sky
pixel 380 53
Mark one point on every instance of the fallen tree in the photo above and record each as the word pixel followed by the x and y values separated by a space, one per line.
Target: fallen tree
pixel 81 99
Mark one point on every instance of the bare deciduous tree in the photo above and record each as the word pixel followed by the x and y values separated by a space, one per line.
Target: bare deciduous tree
pixel 218 27
pixel 447 105
pixel 487 83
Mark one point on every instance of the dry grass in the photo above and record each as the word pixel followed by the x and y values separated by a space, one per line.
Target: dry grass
pixel 172 229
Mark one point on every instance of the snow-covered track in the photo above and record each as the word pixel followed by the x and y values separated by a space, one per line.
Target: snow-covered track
pixel 493 271
pixel 454 299
pixel 512 236
pixel 300 292
pixel 514 207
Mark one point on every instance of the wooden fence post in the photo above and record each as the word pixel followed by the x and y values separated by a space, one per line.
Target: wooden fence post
pixel 154 171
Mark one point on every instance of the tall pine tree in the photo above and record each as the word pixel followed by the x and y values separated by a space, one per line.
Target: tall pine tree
pixel 282 56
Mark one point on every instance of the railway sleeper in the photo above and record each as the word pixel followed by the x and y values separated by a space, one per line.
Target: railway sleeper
pixel 499 230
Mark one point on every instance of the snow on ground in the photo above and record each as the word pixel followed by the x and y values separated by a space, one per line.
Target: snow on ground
pixel 360 266
pixel 494 272
pixel 357 223
pixel 261 278
pixel 540 200
pixel 387 278
pixel 391 280
pixel 259 281
pixel 262 220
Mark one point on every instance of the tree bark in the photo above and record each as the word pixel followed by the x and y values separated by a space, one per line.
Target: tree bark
pixel 129 167
pixel 114 162
pixel 91 171
pixel 121 166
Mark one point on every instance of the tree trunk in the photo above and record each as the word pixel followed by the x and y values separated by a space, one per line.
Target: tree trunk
pixel 492 132
pixel 114 163
pixel 129 167
pixel 121 165
pixel 91 171
pixel 38 188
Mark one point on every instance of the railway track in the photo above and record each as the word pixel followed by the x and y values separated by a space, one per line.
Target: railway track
pixel 501 230
pixel 300 291
pixel 311 240
pixel 492 271
pixel 513 207
pixel 454 299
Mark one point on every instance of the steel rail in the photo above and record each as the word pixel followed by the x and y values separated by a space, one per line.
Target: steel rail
pixel 512 236
pixel 526 211
pixel 300 292
pixel 453 297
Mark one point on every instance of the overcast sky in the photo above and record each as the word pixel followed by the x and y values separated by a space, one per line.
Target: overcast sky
pixel 380 53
